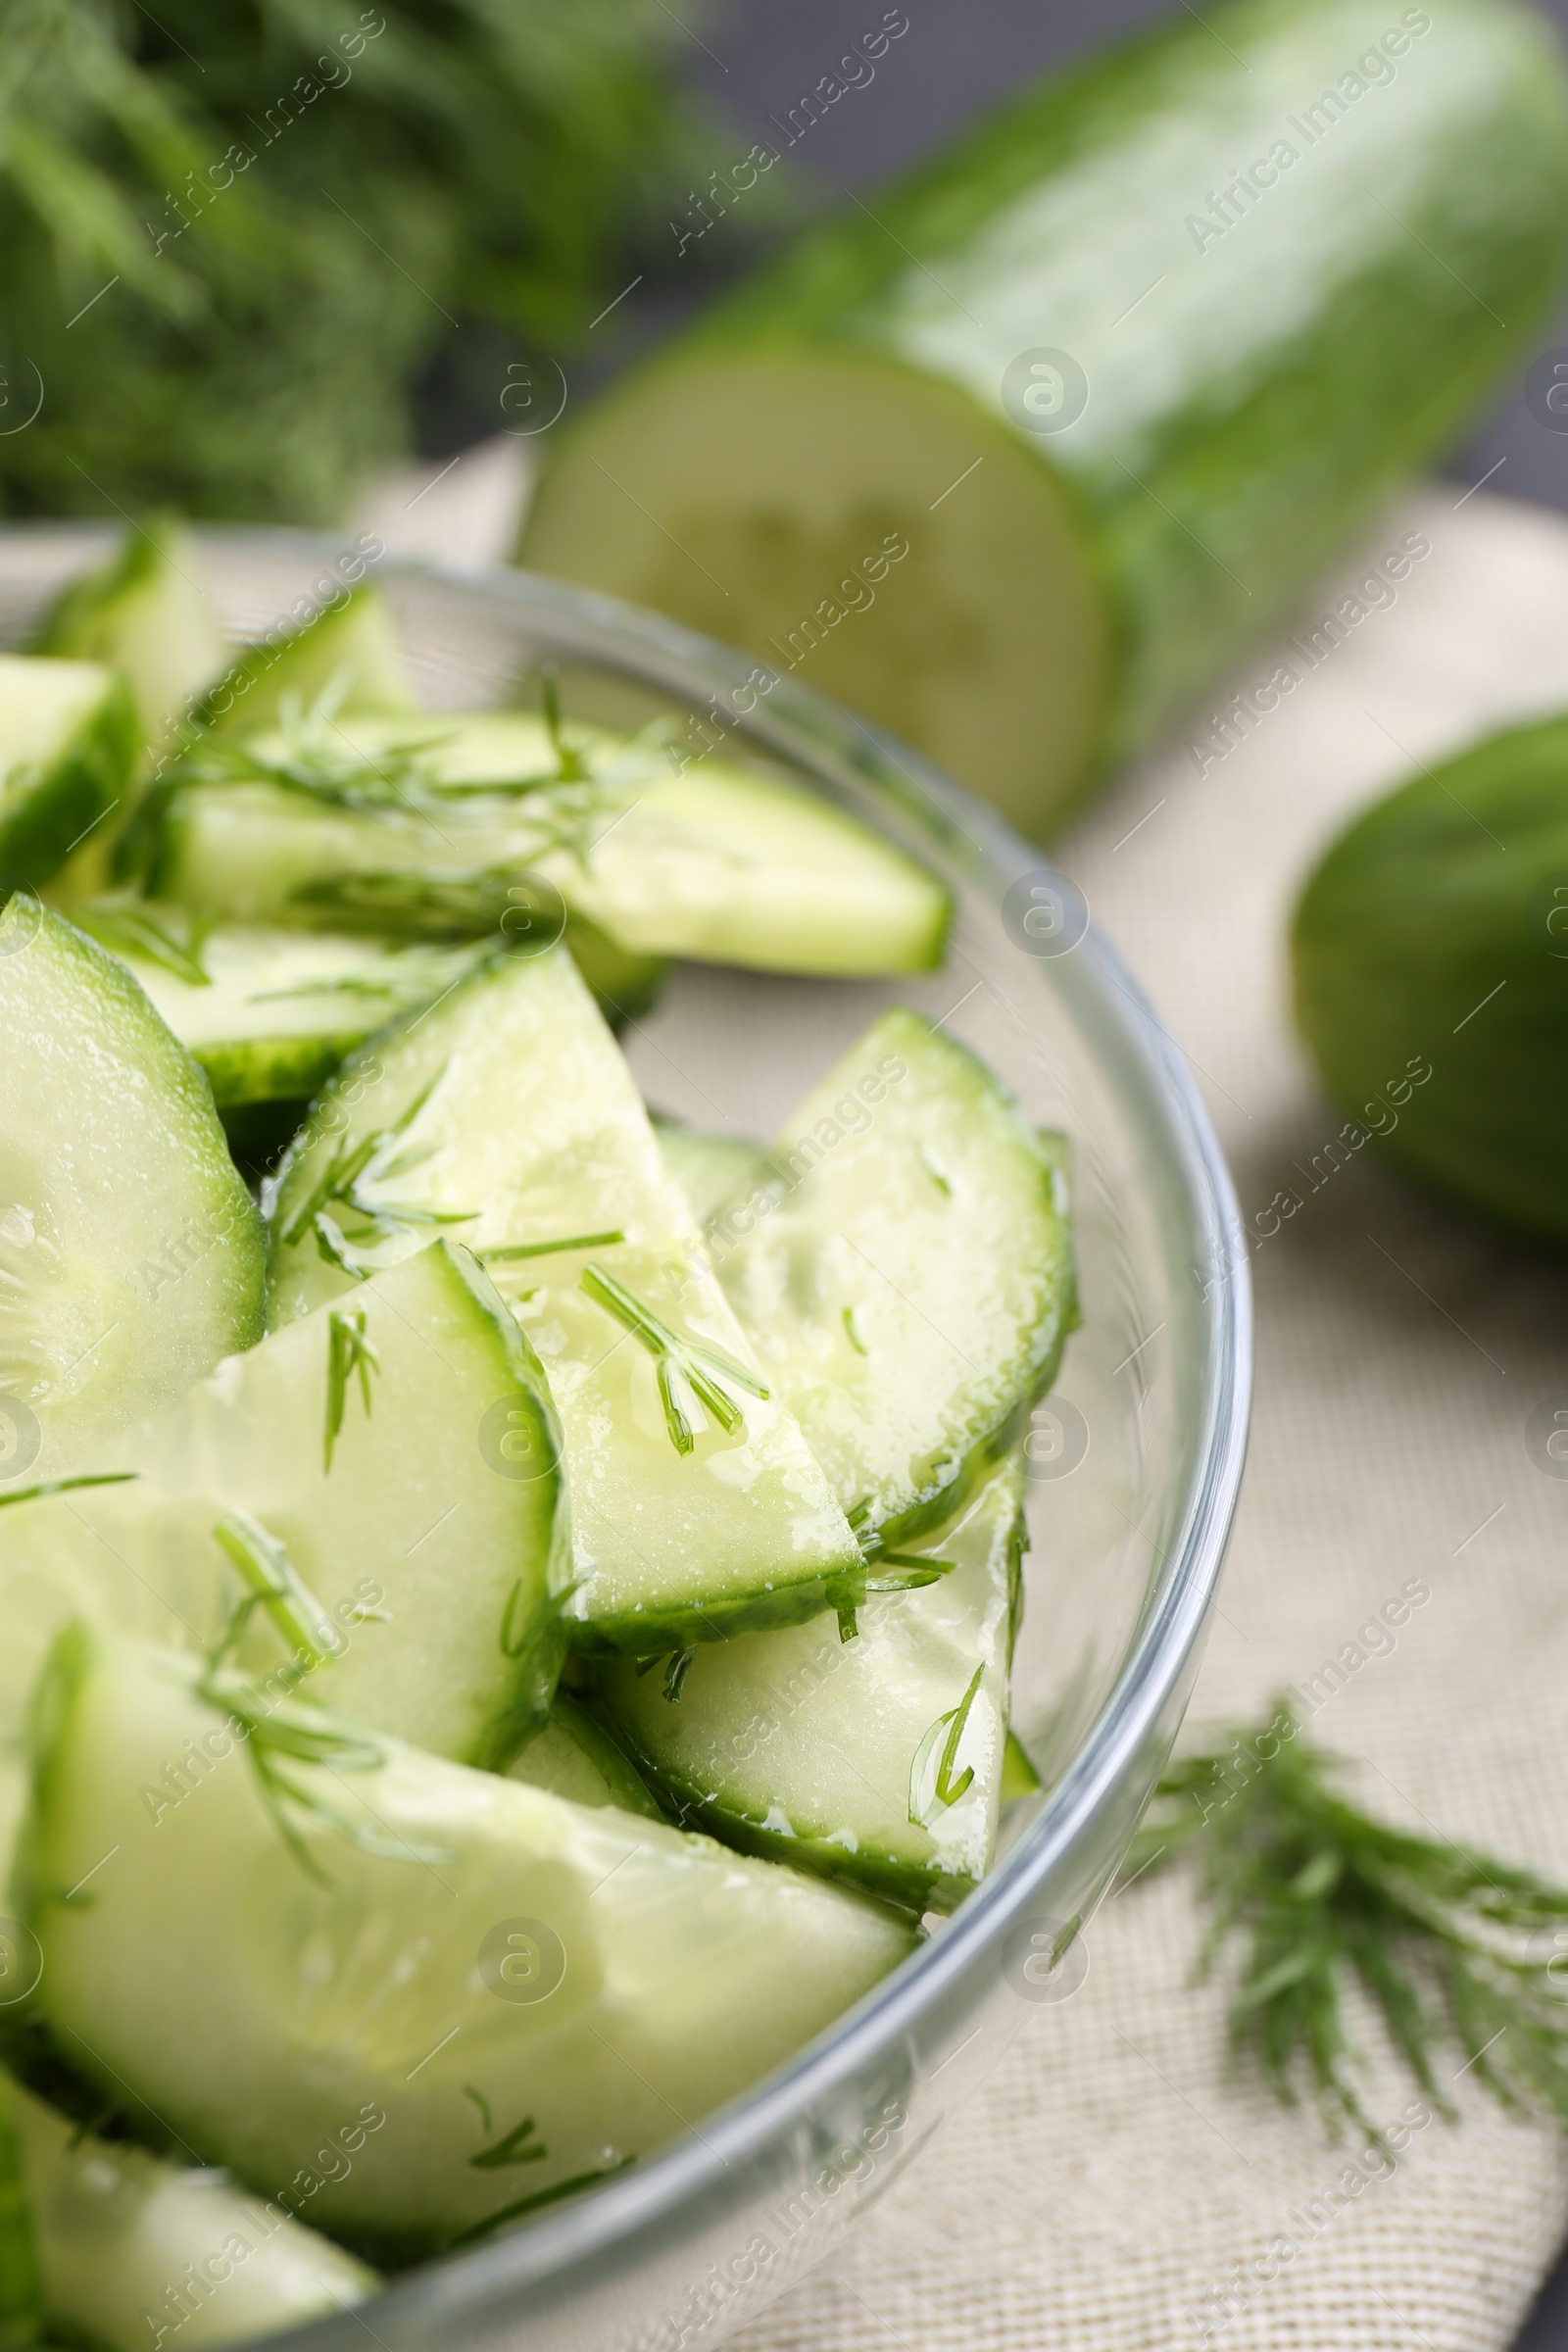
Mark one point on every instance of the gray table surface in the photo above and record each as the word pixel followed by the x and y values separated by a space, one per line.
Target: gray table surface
pixel 756 58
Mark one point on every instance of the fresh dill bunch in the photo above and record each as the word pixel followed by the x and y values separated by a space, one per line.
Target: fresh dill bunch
pixel 1462 1954
pixel 239 235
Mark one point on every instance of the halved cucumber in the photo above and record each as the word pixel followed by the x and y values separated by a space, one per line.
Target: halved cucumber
pixel 718 863
pixel 397 1453
pixel 69 741
pixel 905 1273
pixel 348 650
pixel 573 1988
pixel 878 1760
pixel 145 615
pixel 571 1756
pixel 710 1169
pixel 134 2251
pixel 130 1254
pixel 508 1112
pixel 267 1015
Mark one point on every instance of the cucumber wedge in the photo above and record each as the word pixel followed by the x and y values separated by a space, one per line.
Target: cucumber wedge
pixel 145 615
pixel 347 652
pixel 70 738
pixel 577 1987
pixel 133 2252
pixel 130 1254
pixel 906 1275
pixel 710 1169
pixel 375 1452
pixel 877 1761
pixel 508 1112
pixel 717 862
pixel 267 1015
pixel 573 1757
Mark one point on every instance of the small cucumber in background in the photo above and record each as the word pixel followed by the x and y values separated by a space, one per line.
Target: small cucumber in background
pixel 630 1978
pixel 506 1115
pixel 346 822
pixel 132 2251
pixel 144 614
pixel 266 1015
pixel 904 1269
pixel 130 1254
pixel 70 739
pixel 1430 953
pixel 1019 453
pixel 877 1761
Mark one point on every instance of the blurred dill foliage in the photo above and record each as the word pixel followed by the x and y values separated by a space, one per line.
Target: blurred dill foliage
pixel 500 164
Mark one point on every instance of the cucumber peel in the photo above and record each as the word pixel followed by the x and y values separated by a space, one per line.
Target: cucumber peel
pixel 69 741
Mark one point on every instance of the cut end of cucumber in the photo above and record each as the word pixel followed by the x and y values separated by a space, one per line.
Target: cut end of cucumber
pixel 774 492
pixel 349 647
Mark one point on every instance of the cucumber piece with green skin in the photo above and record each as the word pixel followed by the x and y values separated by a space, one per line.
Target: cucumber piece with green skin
pixel 267 1015
pixel 904 1269
pixel 572 1757
pixel 130 1254
pixel 877 1761
pixel 507 1109
pixel 69 742
pixel 1114 401
pixel 144 615
pixel 22 2298
pixel 348 650
pixel 1430 980
pixel 710 1169
pixel 134 2251
pixel 630 1978
pixel 400 1453
pixel 717 862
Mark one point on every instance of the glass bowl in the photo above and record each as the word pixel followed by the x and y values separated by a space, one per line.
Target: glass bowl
pixel 1135 1462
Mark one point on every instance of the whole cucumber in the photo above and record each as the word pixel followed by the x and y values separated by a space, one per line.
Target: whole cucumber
pixel 1016 455
pixel 1431 967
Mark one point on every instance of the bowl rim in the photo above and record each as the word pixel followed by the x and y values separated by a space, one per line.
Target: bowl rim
pixel 807 727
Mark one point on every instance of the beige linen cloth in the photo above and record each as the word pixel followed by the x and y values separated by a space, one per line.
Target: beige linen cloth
pixel 1111 2188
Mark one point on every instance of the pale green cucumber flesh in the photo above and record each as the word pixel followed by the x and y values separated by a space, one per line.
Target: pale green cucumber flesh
pixel 672 1973
pixel 573 1757
pixel 904 1269
pixel 144 614
pixel 349 648
pixel 509 1109
pixel 69 741
pixel 710 1169
pixel 717 862
pixel 267 1014
pixel 124 2237
pixel 820 1752
pixel 130 1256
pixel 1225 378
pixel 793 477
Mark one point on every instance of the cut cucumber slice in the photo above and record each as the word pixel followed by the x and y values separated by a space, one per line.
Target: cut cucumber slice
pixel 508 1111
pixel 399 1453
pixel 878 1760
pixel 267 1015
pixel 130 1254
pixel 719 862
pixel 69 741
pixel 134 2251
pixel 145 615
pixel 579 1985
pixel 1019 452
pixel 572 1757
pixel 906 1274
pixel 347 651
pixel 710 1169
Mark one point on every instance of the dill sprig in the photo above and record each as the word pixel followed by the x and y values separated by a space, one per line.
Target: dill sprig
pixel 928 1804
pixel 349 1350
pixel 1453 1947
pixel 277 1729
pixel 346 1169
pixel 700 1367
pixel 65 1486
pixel 127 927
